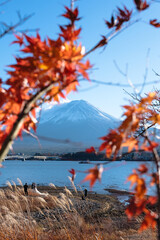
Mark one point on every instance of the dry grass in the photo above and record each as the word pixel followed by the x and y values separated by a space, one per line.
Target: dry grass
pixel 63 215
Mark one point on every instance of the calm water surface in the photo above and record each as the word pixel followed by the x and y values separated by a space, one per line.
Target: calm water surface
pixel 45 172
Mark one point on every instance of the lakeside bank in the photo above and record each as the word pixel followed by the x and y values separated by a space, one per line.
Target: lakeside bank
pixel 63 214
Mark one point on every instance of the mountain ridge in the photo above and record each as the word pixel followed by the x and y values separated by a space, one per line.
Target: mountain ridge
pixel 77 121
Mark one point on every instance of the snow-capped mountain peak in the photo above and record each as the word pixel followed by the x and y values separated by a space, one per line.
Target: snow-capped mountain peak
pixel 77 121
pixel 76 110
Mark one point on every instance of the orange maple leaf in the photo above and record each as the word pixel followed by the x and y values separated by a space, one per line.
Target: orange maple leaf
pixel 140 188
pixel 132 178
pixel 131 143
pixel 94 174
pixel 150 147
pixel 112 143
pixel 150 220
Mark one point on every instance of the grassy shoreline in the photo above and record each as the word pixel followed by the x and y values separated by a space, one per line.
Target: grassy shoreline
pixel 62 214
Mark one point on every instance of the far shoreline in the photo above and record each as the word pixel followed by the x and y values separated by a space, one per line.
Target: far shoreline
pixel 72 160
pixel 82 157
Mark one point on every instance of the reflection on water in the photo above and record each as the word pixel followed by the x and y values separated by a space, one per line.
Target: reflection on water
pixel 45 172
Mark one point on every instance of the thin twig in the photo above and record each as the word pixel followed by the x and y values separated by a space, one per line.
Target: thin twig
pixel 146 72
pixel 108 38
pixel 12 27
pixel 118 68
pixel 120 84
pixel 3 3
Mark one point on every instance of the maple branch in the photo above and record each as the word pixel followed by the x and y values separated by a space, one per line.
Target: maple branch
pixel 27 30
pixel 106 39
pixel 17 125
pixel 157 162
pixel 141 133
pixel 101 43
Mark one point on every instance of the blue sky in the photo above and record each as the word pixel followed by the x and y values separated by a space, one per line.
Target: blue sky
pixel 128 48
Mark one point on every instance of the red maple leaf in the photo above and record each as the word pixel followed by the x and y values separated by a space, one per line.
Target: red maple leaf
pixel 141 5
pixel 123 16
pixel 142 169
pixel 71 14
pixel 152 200
pixel 90 150
pixel 73 172
pixel 111 23
pixel 155 23
pixel 20 40
pixel 135 207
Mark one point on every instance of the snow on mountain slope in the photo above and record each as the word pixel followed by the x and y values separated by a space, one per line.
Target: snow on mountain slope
pixel 74 111
pixel 77 121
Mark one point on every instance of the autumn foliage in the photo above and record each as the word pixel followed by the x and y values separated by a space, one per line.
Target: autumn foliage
pixel 140 202
pixel 49 69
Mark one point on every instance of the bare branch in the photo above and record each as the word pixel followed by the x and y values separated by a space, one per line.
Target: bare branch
pixel 156 73
pixel 12 27
pixel 133 96
pixel 146 72
pixel 118 68
pixel 145 130
pixel 3 3
pixel 89 88
pixel 122 85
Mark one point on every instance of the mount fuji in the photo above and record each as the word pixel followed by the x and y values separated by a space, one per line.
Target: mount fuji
pixel 67 127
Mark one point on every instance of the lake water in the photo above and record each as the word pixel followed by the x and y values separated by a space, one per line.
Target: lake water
pixel 56 172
